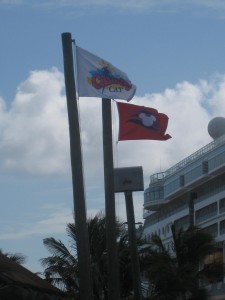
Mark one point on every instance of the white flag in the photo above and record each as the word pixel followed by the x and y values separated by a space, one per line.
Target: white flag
pixel 98 78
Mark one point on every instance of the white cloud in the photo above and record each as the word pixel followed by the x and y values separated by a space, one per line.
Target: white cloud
pixel 217 102
pixel 188 120
pixel 34 131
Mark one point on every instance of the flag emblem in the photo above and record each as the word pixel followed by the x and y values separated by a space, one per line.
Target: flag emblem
pixel 99 78
pixel 146 119
pixel 141 123
pixel 105 77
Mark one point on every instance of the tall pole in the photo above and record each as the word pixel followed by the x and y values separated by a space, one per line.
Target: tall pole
pixel 83 251
pixel 112 255
pixel 133 245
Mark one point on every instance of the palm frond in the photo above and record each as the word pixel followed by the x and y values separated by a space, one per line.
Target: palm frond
pixel 16 257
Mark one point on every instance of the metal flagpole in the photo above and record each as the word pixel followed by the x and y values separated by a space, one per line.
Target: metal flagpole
pixel 133 245
pixel 113 266
pixel 83 250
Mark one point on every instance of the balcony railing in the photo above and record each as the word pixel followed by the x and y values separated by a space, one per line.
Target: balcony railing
pixel 207 148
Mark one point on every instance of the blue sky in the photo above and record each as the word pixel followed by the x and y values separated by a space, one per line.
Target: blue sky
pixel 174 54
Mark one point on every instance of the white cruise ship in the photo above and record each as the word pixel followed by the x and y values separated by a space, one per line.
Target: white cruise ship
pixel 192 191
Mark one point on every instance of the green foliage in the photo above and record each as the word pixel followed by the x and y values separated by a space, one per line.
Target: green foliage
pixel 171 274
pixel 175 273
pixel 62 263
pixel 16 257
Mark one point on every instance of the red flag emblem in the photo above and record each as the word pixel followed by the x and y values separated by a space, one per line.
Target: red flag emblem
pixel 141 123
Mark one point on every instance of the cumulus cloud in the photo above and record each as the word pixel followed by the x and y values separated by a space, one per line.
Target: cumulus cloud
pixel 34 137
pixel 187 106
pixel 34 130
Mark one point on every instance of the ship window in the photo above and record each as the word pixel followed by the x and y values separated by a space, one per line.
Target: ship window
pixel 168 228
pixel 222 205
pixel 217 161
pixel 212 229
pixel 156 193
pixel 193 174
pixel 172 186
pixel 183 222
pixel 222 227
pixel 206 212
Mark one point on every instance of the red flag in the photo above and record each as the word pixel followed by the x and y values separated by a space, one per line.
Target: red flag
pixel 141 123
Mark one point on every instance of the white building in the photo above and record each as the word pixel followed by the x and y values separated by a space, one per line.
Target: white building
pixel 192 191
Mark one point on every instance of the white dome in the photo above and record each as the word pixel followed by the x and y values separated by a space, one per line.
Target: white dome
pixel 216 127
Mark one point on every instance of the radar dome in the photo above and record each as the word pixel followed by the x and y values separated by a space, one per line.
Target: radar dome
pixel 216 127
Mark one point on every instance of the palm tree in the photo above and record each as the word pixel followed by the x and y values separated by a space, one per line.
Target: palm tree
pixel 174 273
pixel 16 257
pixel 63 265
